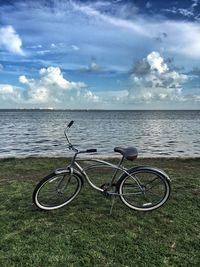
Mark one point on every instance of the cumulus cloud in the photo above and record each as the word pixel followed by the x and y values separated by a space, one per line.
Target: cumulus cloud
pixel 156 62
pixel 6 89
pixel 10 40
pixel 51 86
pixel 9 95
pixel 53 76
pixel 89 96
pixel 152 80
pixel 50 89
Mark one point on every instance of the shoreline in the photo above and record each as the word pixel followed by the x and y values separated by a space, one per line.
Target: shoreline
pixel 96 157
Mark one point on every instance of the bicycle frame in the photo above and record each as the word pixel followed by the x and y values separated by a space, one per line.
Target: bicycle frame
pixel 74 165
pixel 82 171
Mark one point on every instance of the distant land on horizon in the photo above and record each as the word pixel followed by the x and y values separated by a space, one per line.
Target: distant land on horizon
pixel 46 109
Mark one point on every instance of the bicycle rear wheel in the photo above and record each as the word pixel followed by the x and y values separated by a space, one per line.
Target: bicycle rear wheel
pixel 56 190
pixel 145 189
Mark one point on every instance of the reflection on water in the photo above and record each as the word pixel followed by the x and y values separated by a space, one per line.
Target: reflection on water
pixel 154 133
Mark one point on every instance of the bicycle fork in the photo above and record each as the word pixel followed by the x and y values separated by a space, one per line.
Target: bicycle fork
pixel 61 188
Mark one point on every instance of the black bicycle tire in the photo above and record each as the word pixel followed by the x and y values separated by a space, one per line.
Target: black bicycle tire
pixel 156 171
pixel 43 182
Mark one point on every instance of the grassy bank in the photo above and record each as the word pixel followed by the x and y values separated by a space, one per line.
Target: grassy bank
pixel 84 234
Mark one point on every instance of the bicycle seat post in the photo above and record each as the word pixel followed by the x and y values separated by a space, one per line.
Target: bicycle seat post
pixel 115 174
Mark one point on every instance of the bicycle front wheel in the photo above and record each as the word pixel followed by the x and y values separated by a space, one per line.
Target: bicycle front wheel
pixel 144 189
pixel 56 190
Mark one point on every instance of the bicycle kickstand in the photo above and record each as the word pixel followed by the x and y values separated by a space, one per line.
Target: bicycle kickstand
pixel 112 204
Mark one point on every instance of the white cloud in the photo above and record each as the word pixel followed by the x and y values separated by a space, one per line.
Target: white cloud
pixel 180 38
pixel 116 41
pixel 156 62
pixel 188 32
pixel 6 89
pixel 23 79
pixel 92 11
pixel 155 81
pixel 113 97
pixel 138 30
pixel 9 94
pixel 89 96
pixel 10 40
pixel 51 86
pixel 53 76
pixel 155 84
pixel 51 89
pixel 189 12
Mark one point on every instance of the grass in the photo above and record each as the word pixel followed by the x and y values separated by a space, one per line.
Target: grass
pixel 84 234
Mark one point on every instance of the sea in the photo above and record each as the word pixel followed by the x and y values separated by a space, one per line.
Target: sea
pixel 168 133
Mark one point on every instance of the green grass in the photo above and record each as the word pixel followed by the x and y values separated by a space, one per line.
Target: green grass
pixel 84 234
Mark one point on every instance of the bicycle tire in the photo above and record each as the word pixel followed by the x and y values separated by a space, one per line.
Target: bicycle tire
pixel 153 193
pixel 57 190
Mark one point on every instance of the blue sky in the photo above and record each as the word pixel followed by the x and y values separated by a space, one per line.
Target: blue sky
pixel 100 54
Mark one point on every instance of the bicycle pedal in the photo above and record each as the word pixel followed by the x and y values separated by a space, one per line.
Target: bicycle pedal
pixel 105 186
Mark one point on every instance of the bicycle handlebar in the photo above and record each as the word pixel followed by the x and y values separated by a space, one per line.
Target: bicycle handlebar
pixel 71 147
pixel 70 124
pixel 91 150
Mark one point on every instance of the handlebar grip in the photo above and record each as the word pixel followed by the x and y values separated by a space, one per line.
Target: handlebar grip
pixel 70 124
pixel 91 150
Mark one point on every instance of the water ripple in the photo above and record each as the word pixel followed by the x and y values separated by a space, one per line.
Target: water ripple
pixel 154 133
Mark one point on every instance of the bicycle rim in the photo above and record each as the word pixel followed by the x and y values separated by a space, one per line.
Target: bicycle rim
pixel 57 191
pixel 152 191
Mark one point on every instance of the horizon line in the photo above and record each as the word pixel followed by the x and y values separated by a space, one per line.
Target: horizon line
pixel 52 109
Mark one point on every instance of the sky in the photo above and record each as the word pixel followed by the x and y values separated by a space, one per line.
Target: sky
pixel 69 54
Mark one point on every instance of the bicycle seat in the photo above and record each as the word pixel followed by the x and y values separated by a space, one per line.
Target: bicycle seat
pixel 130 153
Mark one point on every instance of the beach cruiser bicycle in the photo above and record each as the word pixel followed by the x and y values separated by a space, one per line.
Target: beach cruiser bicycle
pixel 140 188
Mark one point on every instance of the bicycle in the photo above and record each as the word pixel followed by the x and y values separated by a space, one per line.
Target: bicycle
pixel 141 188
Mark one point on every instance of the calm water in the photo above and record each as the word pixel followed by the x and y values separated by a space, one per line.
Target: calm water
pixel 154 133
